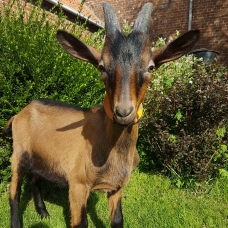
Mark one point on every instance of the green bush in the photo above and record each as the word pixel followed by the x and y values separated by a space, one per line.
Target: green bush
pixel 33 65
pixel 184 129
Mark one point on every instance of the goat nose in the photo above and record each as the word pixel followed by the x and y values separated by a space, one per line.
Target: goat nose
pixel 124 112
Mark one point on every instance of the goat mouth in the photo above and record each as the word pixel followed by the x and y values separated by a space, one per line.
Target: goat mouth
pixel 123 122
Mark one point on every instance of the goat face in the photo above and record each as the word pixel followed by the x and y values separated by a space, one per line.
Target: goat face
pixel 126 66
pixel 126 62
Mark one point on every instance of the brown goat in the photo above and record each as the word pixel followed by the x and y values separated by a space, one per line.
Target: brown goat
pixel 86 149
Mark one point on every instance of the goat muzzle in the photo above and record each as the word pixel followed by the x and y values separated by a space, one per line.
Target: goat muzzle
pixel 123 116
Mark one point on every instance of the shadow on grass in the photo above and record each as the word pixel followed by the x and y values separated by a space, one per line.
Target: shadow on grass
pixel 91 210
pixel 54 194
pixel 39 225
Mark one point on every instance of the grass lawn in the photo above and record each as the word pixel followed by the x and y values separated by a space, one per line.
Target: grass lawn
pixel 149 201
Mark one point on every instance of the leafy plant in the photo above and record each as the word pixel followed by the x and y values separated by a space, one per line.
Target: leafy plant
pixel 184 129
pixel 33 65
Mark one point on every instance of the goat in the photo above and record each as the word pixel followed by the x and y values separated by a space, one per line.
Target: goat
pixel 94 148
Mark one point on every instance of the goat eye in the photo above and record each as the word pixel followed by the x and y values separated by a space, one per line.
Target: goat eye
pixel 151 68
pixel 101 68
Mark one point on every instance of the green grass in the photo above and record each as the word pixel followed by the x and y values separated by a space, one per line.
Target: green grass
pixel 149 201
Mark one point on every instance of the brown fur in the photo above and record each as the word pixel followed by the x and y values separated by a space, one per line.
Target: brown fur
pixel 84 149
pixel 74 155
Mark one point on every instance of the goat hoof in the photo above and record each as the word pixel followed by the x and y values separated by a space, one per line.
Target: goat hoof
pixel 44 214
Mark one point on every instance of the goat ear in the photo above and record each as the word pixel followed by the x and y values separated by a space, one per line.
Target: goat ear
pixel 78 49
pixel 177 48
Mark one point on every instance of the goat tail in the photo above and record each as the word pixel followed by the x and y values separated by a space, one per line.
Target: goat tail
pixel 7 130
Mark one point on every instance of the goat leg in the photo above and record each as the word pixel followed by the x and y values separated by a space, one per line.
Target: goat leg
pixel 15 191
pixel 78 195
pixel 38 200
pixel 115 208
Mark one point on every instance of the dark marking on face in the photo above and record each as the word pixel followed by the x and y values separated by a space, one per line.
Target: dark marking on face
pixel 127 62
pixel 139 81
pixel 127 49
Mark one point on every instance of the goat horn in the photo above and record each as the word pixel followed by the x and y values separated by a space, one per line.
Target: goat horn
pixel 142 22
pixel 111 20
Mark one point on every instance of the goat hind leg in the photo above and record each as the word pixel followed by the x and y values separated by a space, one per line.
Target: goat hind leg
pixel 15 192
pixel 38 200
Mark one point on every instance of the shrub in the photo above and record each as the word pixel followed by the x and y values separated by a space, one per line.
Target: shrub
pixel 33 65
pixel 184 129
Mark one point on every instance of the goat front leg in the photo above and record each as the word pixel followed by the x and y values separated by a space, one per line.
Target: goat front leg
pixel 78 195
pixel 115 208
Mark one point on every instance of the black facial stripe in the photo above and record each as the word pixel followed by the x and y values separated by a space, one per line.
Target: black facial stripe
pixel 127 49
pixel 128 77
pixel 126 52
pixel 111 79
pixel 139 81
pixel 120 79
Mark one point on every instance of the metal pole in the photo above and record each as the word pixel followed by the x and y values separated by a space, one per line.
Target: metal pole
pixel 190 15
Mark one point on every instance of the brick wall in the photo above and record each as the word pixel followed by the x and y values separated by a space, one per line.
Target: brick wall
pixel 210 16
pixel 70 18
